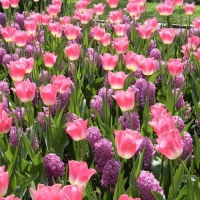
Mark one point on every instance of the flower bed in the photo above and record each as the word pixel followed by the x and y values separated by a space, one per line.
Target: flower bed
pixel 95 110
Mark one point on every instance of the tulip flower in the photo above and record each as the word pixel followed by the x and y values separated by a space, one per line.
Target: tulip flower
pixel 121 44
pixel 197 54
pixel 167 35
pixel 175 66
pixel 77 129
pixel 158 109
pixel 48 94
pixel 37 17
pixel 61 82
pixel 73 52
pixel 170 144
pixel 125 99
pixel 189 8
pixel 127 142
pixel 98 33
pixel 53 10
pixel 193 41
pixel 4 180
pixel 17 70
pixel 29 64
pixel 44 192
pixel 105 40
pixel 81 6
pixel 55 29
pixel 49 59
pixel 5 125
pixel 115 17
pixel 45 19
pixel 72 192
pixel 120 29
pixel 148 66
pixel 112 3
pixel 65 21
pixel 79 174
pixel 71 31
pixel 133 60
pixel 85 17
pixel 57 2
pixel 108 61
pixel 117 79
pixel 25 90
pixel 30 27
pixel 132 8
pixel 10 197
pixel 197 23
pixel 178 2
pixel 145 31
pixel 20 38
pixel 8 33
pixel 126 197
pixel 162 124
pixel 14 3
pixel 165 9
pixel 5 4
pixel 99 8
pixel 153 23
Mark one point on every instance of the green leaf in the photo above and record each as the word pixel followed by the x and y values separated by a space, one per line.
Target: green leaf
pixel 182 194
pixel 139 163
pixel 156 166
pixel 28 146
pixel 119 189
pixel 157 195
pixel 154 76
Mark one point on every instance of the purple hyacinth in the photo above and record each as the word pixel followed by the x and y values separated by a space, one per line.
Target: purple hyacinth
pixel 150 47
pixel 180 103
pixel 36 98
pixel 179 80
pixel 14 135
pixel 46 76
pixel 124 120
pixel 93 57
pixel 126 19
pixel 155 53
pixel 4 87
pixel 146 182
pixel 102 93
pixel 18 115
pixel 179 123
pixel 3 19
pixel 54 168
pixel 103 151
pixel 187 146
pixel 96 103
pixel 5 104
pixel 19 19
pixel 2 54
pixel 93 135
pixel 148 153
pixel 41 119
pixel 29 50
pixel 110 174
pixel 71 117
pixel 6 59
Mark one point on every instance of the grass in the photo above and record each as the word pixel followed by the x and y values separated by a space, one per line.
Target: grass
pixel 151 11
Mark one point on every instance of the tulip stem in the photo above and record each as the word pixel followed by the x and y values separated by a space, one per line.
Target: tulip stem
pixel 174 96
pixel 180 19
pixel 81 149
pixel 147 107
pixel 189 26
pixel 171 173
pixel 106 117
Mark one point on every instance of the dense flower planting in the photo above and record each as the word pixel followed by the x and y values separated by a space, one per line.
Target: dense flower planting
pixel 98 109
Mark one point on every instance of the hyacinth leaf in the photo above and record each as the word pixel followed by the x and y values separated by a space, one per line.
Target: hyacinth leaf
pixel 133 192
pixel 2 76
pixel 28 146
pixel 156 166
pixel 190 189
pixel 196 151
pixel 107 195
pixel 139 163
pixel 196 84
pixel 197 188
pixel 154 76
pixel 119 189
pixel 106 112
pixel 157 195
pixel 196 106
pixel 182 193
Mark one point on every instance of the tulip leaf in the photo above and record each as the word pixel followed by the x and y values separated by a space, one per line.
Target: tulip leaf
pixel 157 195
pixel 154 76
pixel 197 85
pixel 28 146
pixel 139 163
pixel 119 189
pixel 156 166
pixel 196 106
pixel 182 194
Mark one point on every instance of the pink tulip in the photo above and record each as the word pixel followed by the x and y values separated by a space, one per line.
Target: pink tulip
pixel 126 197
pixel 71 31
pixel 14 3
pixel 30 27
pixel 197 23
pixel 145 31
pixel 178 2
pixel 85 17
pixel 53 10
pixel 77 129
pixel 120 29
pixel 25 90
pixel 17 70
pixel 55 29
pixel 189 8
pixel 121 44
pixel 20 38
pixel 170 144
pixel 48 94
pixel 162 124
pixel 105 40
pixel 108 61
pixel 193 41
pixel 57 2
pixel 4 179
pixel 10 197
pixel 99 8
pixel 37 17
pixel 79 174
pixel 45 19
pixel 175 66
pixel 61 82
pixel 167 35
pixel 197 54
pixel 185 50
pixel 158 109
pixel 127 142
pixel 115 17
pixel 148 66
pixel 116 80
pixel 46 192
pixel 5 122
pixel 112 3
pixel 153 23
pixel 71 192
pixel 49 59
pixel 73 52
pixel 98 33
pixel 65 21
pixel 132 8
pixel 5 4
pixel 133 60
pixel 81 6
pixel 165 9
pixel 29 64
pixel 125 99
pixel 8 33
